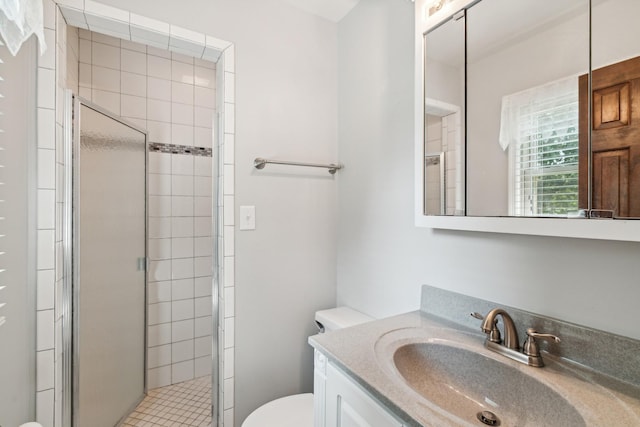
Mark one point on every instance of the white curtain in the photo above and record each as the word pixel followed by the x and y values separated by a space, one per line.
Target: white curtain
pixel 19 19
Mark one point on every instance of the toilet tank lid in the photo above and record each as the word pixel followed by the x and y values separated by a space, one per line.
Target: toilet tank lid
pixel 340 317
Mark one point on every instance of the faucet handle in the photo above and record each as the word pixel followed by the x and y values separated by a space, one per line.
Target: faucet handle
pixel 533 333
pixel 494 335
pixel 477 315
pixel 530 346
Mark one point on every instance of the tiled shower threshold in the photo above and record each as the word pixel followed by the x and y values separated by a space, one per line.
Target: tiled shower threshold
pixel 183 404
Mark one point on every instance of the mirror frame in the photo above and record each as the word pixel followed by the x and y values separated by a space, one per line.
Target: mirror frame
pixel 601 229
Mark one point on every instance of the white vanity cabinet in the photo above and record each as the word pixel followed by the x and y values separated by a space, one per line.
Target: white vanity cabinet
pixel 340 402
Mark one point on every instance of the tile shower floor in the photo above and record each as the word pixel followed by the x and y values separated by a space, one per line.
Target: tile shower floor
pixel 183 404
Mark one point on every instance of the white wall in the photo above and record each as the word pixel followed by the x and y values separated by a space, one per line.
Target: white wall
pixel 383 259
pixel 286 108
pixel 609 46
pixel 18 318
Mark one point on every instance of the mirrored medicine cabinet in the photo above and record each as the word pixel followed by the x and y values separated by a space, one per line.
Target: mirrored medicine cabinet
pixel 528 117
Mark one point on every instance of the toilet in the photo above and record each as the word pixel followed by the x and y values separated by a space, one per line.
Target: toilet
pixel 297 410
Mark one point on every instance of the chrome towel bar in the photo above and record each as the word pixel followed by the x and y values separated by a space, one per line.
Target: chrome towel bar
pixel 260 163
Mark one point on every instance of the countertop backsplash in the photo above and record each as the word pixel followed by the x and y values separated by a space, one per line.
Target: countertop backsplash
pixel 607 353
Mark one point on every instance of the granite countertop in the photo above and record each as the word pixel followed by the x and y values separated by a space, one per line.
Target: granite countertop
pixel 366 352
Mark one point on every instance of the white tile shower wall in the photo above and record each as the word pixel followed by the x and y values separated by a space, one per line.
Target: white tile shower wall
pixel 50 134
pixel 173 276
pixel 442 136
pixel 170 95
pixel 174 99
pixel 55 73
pixel 450 143
pixel 225 93
pixel 432 173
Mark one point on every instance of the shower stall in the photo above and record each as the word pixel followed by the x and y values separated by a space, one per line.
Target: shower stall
pixel 108 259
pixel 141 233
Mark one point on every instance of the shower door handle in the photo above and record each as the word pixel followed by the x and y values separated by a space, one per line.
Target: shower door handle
pixel 142 264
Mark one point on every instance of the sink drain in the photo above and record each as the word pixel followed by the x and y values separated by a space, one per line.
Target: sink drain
pixel 488 418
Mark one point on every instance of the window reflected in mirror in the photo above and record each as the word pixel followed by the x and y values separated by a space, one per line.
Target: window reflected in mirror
pixel 539 132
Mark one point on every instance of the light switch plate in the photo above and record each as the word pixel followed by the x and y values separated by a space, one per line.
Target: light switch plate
pixel 247 217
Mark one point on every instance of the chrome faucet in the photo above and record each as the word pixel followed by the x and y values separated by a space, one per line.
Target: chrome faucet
pixel 530 353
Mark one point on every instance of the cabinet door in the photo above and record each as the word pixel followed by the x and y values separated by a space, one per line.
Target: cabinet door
pixel 348 405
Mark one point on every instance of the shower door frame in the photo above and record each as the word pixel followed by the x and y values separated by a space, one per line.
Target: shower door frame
pixel 71 239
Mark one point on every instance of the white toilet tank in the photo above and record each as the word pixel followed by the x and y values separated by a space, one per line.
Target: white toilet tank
pixel 338 318
pixel 297 410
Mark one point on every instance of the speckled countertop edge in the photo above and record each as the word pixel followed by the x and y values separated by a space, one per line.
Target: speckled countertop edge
pixel 353 350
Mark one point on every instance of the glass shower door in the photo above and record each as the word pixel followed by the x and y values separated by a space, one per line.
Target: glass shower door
pixel 109 210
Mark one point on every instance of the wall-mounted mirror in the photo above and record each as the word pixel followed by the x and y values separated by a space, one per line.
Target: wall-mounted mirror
pixel 507 123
